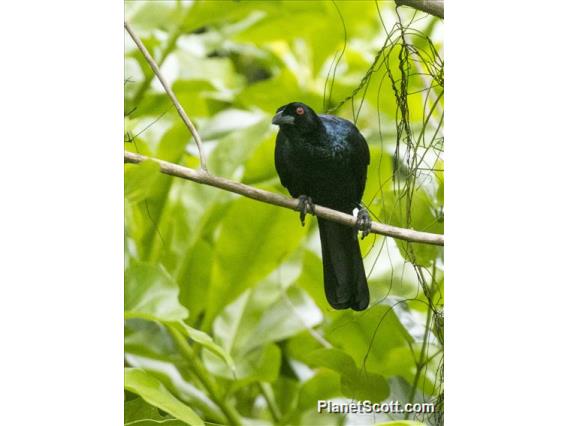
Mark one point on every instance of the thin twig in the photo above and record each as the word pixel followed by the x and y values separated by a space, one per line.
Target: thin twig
pixel 203 177
pixel 172 96
pixel 433 7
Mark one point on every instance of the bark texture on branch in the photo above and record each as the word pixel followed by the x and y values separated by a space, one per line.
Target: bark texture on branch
pixel 433 7
pixel 203 177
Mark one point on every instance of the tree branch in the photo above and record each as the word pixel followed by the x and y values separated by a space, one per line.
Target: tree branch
pixel 172 96
pixel 203 177
pixel 433 7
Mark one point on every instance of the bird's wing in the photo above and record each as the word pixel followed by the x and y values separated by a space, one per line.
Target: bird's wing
pixel 361 159
pixel 360 156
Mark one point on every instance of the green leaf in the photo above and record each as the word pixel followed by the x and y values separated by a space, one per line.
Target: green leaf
pixel 150 293
pixel 286 318
pixel 286 392
pixel 234 148
pixel 334 359
pixel 249 325
pixel 138 409
pixel 174 373
pixel 148 339
pixel 152 15
pixel 369 338
pixel 138 179
pixel 150 231
pixel 260 364
pixel 206 341
pixel 355 383
pixel 323 385
pixel 156 394
pixel 267 314
pixel 311 279
pixel 260 165
pixel 401 423
pixel 211 12
pixel 138 412
pixel 364 386
pixel 254 239
pixel 194 276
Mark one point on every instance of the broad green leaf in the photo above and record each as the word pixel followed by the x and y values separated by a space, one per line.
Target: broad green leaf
pixel 254 239
pixel 156 394
pixel 355 383
pixel 219 72
pixel 267 314
pixel 255 320
pixel 332 358
pixel 194 277
pixel 401 423
pixel 286 318
pixel 364 386
pixel 176 376
pixel 368 338
pixel 151 293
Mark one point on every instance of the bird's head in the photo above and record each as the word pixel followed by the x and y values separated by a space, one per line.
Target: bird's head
pixel 297 117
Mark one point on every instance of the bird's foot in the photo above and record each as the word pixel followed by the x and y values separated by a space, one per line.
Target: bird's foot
pixel 305 206
pixel 363 222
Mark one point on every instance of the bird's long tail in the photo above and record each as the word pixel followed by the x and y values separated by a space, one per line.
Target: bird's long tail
pixel 343 272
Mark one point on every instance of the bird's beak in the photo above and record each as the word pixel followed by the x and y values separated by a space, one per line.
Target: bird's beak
pixel 280 119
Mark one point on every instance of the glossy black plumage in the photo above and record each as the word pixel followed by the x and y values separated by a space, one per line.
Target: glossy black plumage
pixel 325 157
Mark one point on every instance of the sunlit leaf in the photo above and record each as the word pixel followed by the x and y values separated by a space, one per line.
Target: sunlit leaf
pixel 151 293
pixel 254 238
pixel 156 394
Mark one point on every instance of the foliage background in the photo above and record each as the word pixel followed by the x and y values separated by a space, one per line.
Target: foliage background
pixel 225 315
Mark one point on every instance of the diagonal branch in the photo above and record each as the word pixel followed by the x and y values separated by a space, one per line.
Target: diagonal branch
pixel 433 7
pixel 172 96
pixel 203 177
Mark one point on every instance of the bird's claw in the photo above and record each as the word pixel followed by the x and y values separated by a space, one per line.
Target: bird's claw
pixel 364 222
pixel 305 206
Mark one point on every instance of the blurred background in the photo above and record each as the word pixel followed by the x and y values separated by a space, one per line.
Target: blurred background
pixel 226 317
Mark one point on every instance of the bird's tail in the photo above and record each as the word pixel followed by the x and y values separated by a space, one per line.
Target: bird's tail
pixel 343 272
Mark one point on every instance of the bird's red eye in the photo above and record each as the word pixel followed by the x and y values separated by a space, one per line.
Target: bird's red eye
pixel 300 111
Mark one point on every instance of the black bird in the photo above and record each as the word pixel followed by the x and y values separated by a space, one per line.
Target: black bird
pixel 323 159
